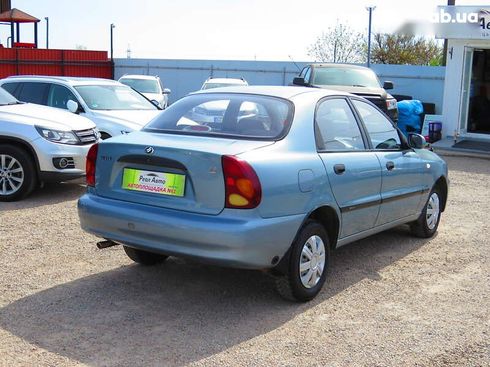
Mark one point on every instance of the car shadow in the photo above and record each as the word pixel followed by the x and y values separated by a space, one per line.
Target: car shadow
pixel 50 193
pixel 180 311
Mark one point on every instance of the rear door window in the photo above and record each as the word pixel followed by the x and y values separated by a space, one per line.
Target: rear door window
pixel 337 127
pixel 33 92
pixel 217 114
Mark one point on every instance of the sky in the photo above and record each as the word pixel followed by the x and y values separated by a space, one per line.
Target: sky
pixel 278 30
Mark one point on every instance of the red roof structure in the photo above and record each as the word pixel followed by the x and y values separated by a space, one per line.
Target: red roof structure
pixel 17 16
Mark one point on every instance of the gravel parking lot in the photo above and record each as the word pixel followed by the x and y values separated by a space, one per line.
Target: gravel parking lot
pixel 391 299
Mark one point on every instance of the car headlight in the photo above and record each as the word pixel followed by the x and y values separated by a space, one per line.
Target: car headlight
pixel 391 104
pixel 58 136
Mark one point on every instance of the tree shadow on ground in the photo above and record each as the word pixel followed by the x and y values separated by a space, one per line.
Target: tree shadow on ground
pixel 180 311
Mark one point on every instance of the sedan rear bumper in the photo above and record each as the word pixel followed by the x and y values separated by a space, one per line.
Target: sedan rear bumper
pixel 235 238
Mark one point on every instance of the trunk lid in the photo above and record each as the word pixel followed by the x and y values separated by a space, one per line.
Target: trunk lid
pixel 175 171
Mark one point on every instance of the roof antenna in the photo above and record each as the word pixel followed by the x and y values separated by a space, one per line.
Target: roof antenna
pixel 297 67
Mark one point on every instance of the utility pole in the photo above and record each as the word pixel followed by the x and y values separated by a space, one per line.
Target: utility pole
pixel 370 10
pixel 47 32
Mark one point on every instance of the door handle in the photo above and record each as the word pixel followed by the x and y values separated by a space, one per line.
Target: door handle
pixel 339 169
pixel 390 165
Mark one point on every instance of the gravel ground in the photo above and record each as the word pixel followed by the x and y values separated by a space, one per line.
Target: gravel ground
pixel 391 300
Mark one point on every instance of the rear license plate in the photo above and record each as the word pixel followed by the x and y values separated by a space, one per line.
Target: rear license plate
pixel 156 182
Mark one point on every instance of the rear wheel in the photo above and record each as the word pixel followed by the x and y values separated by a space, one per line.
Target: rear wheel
pixel 144 257
pixel 308 264
pixel 17 173
pixel 426 225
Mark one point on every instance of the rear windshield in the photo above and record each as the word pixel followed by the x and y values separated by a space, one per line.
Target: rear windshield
pixel 346 77
pixel 227 115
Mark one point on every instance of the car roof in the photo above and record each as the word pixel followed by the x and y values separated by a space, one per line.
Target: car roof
pixel 286 92
pixel 139 76
pixel 339 66
pixel 226 80
pixel 65 79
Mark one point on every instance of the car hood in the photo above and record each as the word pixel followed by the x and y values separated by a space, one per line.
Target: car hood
pixel 49 117
pixel 361 91
pixel 134 119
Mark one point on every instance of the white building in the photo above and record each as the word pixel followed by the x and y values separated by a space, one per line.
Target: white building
pixel 466 104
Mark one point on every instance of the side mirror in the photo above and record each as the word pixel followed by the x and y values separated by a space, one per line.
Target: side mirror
pixel 73 106
pixel 166 91
pixel 388 85
pixel 416 141
pixel 299 81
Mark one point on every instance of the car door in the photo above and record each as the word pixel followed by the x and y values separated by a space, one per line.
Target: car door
pixel 402 169
pixel 353 171
pixel 59 95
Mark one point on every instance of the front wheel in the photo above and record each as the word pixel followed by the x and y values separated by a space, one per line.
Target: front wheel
pixel 426 225
pixel 17 173
pixel 308 264
pixel 144 257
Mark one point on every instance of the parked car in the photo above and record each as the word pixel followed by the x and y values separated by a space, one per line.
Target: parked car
pixel 40 144
pixel 148 85
pixel 115 108
pixel 212 82
pixel 353 79
pixel 316 170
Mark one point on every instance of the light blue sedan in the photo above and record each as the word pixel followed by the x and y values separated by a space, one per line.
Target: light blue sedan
pixel 309 171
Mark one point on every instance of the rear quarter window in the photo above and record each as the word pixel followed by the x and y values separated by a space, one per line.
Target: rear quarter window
pixel 226 115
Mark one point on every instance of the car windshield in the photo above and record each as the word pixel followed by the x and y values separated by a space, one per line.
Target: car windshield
pixel 226 115
pixel 344 76
pixel 219 85
pixel 6 98
pixel 142 85
pixel 113 97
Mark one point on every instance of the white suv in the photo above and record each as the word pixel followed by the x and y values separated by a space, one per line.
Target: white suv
pixel 115 108
pixel 40 144
pixel 149 86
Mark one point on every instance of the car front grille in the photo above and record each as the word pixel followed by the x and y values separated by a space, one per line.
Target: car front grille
pixel 380 103
pixel 89 136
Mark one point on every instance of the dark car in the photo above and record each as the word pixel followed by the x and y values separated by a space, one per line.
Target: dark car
pixel 353 79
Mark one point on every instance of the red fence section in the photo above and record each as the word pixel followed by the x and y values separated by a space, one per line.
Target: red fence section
pixel 24 61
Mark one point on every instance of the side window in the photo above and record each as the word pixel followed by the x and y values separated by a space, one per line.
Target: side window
pixel 59 95
pixel 10 87
pixel 382 133
pixel 307 74
pixel 337 127
pixel 33 92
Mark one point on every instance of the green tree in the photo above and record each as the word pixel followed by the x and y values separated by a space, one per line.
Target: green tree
pixel 405 49
pixel 339 44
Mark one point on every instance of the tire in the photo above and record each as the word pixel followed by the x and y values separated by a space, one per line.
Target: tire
pixel 144 257
pixel 426 225
pixel 302 286
pixel 17 173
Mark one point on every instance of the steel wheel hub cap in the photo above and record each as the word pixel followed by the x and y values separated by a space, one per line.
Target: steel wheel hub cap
pixel 11 175
pixel 312 262
pixel 433 211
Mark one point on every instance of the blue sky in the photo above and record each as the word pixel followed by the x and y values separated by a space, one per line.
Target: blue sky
pixel 210 29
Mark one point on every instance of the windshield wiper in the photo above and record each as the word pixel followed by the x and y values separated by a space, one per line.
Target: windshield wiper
pixel 16 102
pixel 359 85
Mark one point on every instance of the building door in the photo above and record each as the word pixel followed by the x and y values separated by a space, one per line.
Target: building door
pixel 475 111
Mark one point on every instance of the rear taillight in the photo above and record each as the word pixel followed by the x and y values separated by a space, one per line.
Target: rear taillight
pixel 242 186
pixel 90 166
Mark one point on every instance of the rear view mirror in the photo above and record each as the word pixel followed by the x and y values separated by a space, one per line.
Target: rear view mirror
pixel 73 106
pixel 388 85
pixel 299 81
pixel 416 141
